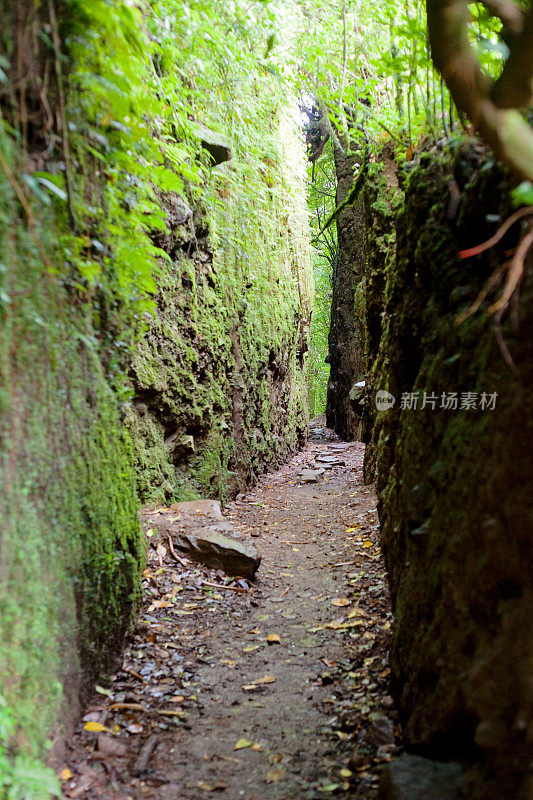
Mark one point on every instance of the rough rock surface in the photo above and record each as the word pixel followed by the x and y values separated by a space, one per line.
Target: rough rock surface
pixel 310 475
pixel 411 777
pixel 455 485
pixel 216 144
pixel 198 529
pixel 220 374
pixel 346 337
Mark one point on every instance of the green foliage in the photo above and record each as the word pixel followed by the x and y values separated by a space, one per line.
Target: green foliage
pixel 24 777
pixel 322 189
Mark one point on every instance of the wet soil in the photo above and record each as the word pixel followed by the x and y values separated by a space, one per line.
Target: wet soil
pixel 263 690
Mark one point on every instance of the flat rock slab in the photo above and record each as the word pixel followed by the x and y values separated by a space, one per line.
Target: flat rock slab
pixel 199 530
pixel 198 508
pixel 209 546
pixel 411 777
pixel 330 461
pixel 310 475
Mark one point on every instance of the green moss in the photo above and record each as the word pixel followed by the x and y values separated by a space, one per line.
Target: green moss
pixel 72 549
pixel 222 365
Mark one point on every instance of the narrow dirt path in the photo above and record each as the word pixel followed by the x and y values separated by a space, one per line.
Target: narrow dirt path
pixel 264 691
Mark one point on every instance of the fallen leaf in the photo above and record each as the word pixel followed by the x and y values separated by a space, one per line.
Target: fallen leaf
pixel 343 736
pixel 257 747
pixel 249 687
pixel 341 601
pixel 331 787
pixel 346 773
pixel 135 727
pixel 242 744
pixel 273 638
pixel 172 713
pixel 275 758
pixel 65 774
pixel 101 690
pixel 212 787
pixel 275 775
pixel 368 544
pixel 159 604
pixel 161 551
pixel 96 727
pixel 92 716
pixel 178 698
pixel 131 706
pixel 251 649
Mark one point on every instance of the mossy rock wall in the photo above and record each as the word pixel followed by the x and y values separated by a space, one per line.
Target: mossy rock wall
pixel 347 329
pixel 71 546
pixel 220 375
pixel 455 486
pixel 104 402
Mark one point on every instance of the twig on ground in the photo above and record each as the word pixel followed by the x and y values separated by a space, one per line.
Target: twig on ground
pixel 146 753
pixel 229 588
pixel 180 560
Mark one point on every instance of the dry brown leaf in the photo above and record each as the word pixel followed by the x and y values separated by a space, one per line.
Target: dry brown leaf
pixel 219 786
pixel 168 712
pixel 275 775
pixel 341 601
pixel 273 638
pixel 131 706
pixel 249 687
pixel 135 727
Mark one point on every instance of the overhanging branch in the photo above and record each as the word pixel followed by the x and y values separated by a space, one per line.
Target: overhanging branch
pixel 504 129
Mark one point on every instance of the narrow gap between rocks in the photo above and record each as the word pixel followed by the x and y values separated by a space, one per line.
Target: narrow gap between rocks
pixel 271 688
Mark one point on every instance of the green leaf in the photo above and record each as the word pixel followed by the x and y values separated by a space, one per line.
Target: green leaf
pixel 523 194
pixel 53 187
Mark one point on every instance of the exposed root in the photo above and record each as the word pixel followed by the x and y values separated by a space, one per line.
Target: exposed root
pixel 514 268
pixel 507 357
pixel 515 273
pixel 493 281
pixel 527 211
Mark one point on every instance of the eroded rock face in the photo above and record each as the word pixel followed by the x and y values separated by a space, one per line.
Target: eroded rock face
pixel 411 777
pixel 455 486
pixel 346 337
pixel 216 144
pixel 199 530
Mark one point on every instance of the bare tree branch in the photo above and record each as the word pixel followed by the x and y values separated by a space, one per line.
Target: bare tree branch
pixel 504 130
pixel 514 88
